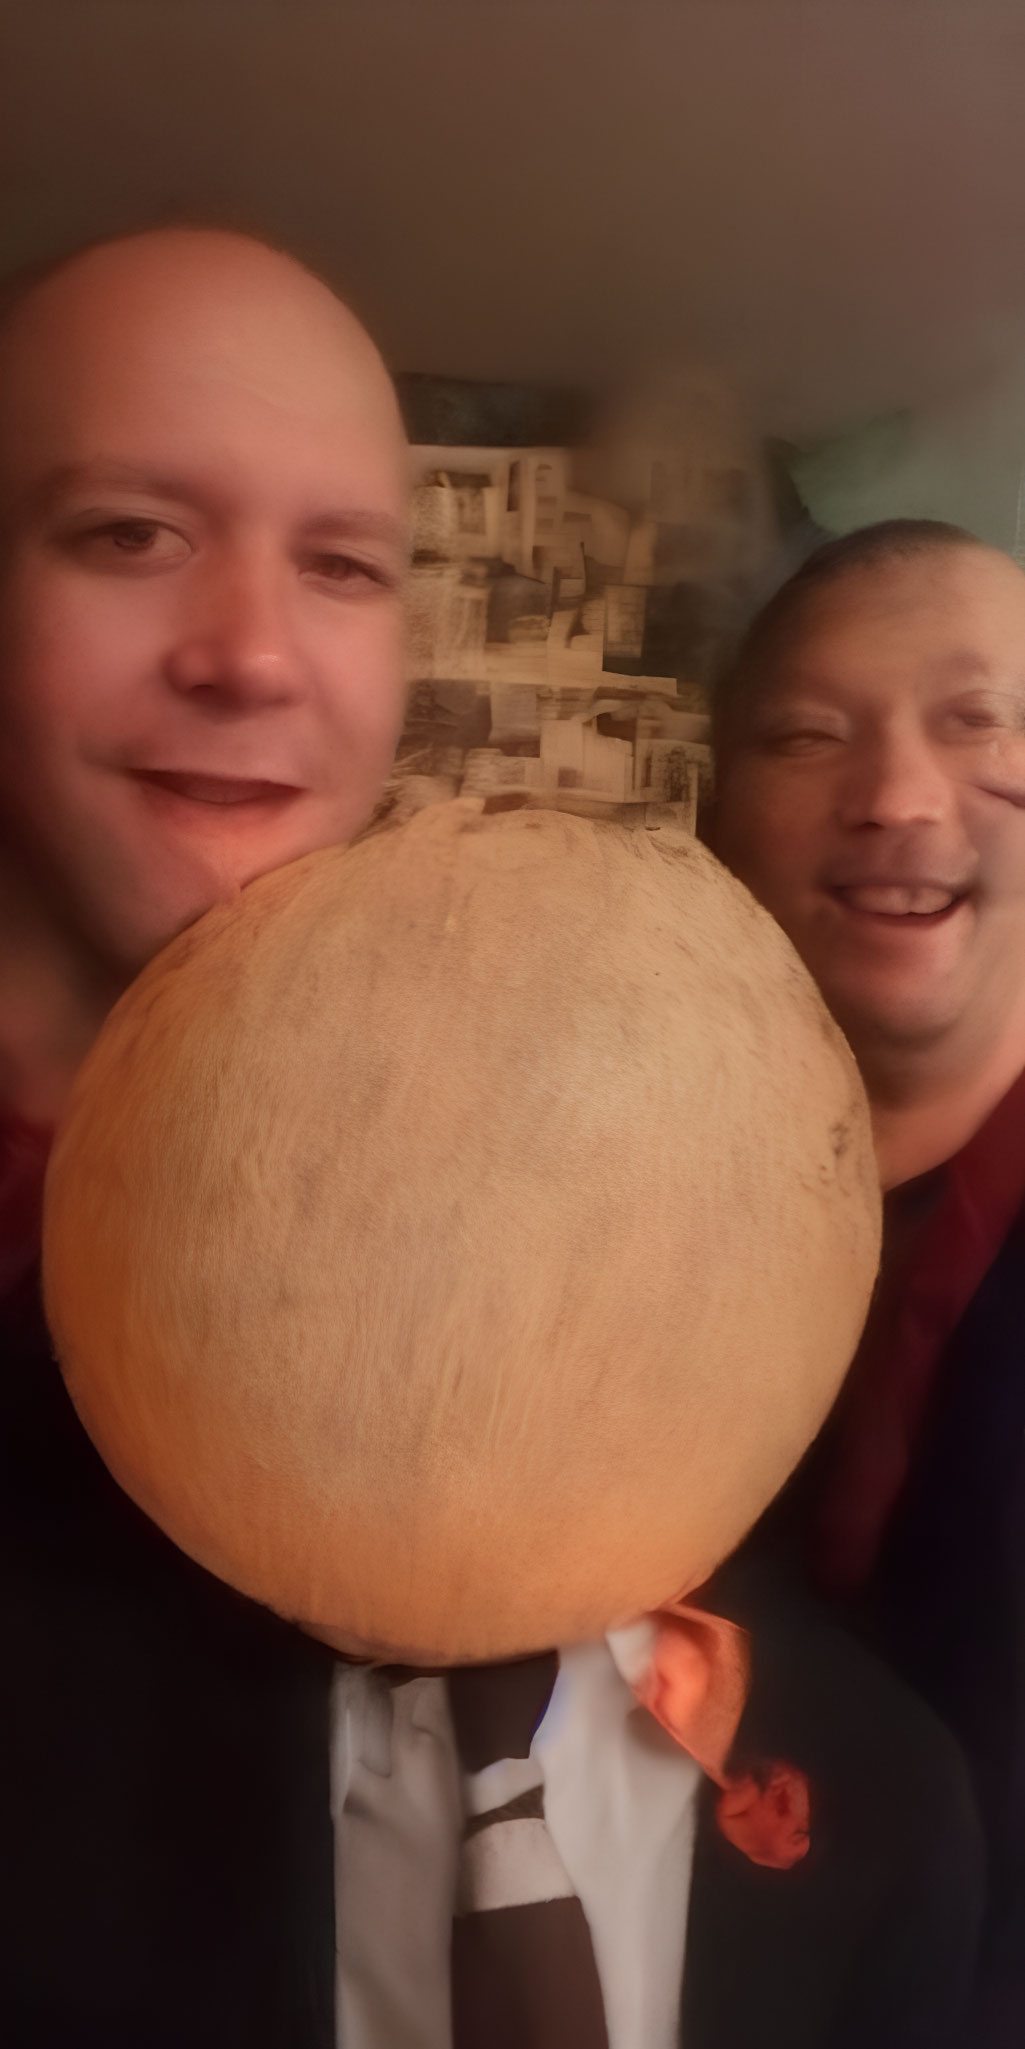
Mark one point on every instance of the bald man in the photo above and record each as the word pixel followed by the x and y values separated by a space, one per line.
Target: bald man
pixel 871 791
pixel 204 538
pixel 203 506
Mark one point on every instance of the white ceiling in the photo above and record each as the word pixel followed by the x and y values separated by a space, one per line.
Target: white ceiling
pixel 826 198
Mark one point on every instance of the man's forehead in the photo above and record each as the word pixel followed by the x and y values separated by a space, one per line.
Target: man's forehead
pixel 941 621
pixel 159 271
pixel 180 321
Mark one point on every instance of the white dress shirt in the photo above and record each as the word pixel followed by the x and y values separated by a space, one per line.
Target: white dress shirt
pixel 620 1802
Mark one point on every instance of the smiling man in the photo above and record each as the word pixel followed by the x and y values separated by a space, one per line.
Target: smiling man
pixel 871 792
pixel 202 550
pixel 203 513
pixel 871 760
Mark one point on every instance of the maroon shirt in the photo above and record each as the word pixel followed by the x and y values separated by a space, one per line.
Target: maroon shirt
pixel 24 1149
pixel 941 1237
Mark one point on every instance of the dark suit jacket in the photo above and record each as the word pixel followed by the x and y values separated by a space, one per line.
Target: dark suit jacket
pixel 166 1850
pixel 870 1942
pixel 947 1602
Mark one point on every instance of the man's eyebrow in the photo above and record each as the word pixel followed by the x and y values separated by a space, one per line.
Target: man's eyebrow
pixel 65 477
pixel 353 523
pixel 344 522
pixel 967 669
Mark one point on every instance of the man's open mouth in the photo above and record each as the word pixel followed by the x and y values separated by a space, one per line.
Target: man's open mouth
pixel 918 902
pixel 199 788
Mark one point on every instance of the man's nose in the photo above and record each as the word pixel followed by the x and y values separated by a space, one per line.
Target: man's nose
pixel 236 639
pixel 895 778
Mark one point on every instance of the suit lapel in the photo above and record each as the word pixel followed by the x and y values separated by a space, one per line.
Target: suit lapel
pixel 761 1963
pixel 871 1939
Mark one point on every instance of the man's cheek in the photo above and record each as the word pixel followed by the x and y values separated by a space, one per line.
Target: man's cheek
pixel 997 770
pixel 1003 786
pixel 383 717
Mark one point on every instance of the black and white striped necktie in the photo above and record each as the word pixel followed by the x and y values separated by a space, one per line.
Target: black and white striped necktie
pixel 523 1968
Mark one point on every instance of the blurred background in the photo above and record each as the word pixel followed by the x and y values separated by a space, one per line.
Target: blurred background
pixel 764 259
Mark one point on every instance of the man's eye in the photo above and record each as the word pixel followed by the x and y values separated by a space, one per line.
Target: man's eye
pixel 349 572
pixel 133 535
pixel 119 543
pixel 799 740
pixel 987 722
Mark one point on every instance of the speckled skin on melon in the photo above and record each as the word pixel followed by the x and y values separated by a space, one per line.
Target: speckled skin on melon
pixel 455 1242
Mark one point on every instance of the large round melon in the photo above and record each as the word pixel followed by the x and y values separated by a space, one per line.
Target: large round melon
pixel 455 1242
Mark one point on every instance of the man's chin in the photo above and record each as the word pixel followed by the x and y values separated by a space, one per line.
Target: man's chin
pixel 899 1023
pixel 173 894
pixel 129 934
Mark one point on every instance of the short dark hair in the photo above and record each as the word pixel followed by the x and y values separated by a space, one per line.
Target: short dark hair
pixel 776 625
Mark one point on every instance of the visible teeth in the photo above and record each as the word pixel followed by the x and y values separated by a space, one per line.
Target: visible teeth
pixel 898 900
